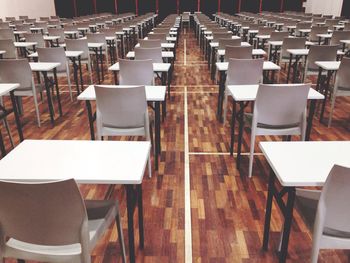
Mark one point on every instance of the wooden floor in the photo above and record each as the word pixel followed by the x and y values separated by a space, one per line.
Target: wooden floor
pixel 227 209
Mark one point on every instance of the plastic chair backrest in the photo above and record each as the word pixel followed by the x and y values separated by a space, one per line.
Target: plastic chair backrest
pixel 35 37
pixel 57 32
pixel 136 72
pixel 244 71
pixel 223 42
pixel 56 55
pixel 317 30
pixel 8 46
pixel 16 71
pixel 78 45
pixel 339 35
pixel 292 43
pixel 7 34
pixel 239 52
pixel 278 36
pixel 149 43
pixel 289 99
pixel 121 107
pixel 44 214
pixel 161 36
pixel 154 53
pixel 320 53
pixel 342 80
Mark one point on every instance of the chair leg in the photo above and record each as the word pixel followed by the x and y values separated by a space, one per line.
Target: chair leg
pixel 251 155
pixel 225 106
pixel 332 109
pixel 149 167
pixel 37 109
pixel 8 131
pixel 120 237
pixel 69 86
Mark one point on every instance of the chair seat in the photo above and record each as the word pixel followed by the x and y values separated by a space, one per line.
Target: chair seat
pixel 249 118
pixel 100 214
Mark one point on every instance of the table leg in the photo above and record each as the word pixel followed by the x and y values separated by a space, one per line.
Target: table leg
pixel 91 120
pixel 325 93
pixel 140 213
pixel 57 91
pixel 122 46
pixel 75 68
pixel 221 94
pixel 17 118
pixel 240 133
pixel 270 195
pixel 101 61
pixel 213 66
pixel 295 69
pixel 49 99
pixel 81 74
pixel 233 124
pixel 97 66
pixel 157 133
pixel 289 66
pixel 130 211
pixel 2 146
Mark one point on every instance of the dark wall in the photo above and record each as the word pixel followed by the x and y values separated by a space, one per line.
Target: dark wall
pixel 250 6
pixel 229 6
pixel 188 5
pixel 125 6
pixel 105 6
pixel 146 6
pixel 208 7
pixel 85 7
pixel 271 5
pixel 293 5
pixel 346 8
pixel 166 7
pixel 64 8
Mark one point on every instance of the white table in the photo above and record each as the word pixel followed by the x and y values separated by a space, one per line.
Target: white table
pixel 73 56
pixel 2 52
pixel 222 67
pixel 88 162
pixel 5 89
pixel 345 42
pixel 25 45
pixel 298 53
pixel 165 54
pixel 298 164
pixel 154 94
pixel 44 68
pixel 326 37
pixel 51 39
pixel 71 33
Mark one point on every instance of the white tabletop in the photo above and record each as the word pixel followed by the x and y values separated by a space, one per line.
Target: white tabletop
pixel 255 52
pixel 345 41
pixel 25 44
pixel 95 45
pixel 263 36
pixel 216 44
pixel 165 54
pixel 308 30
pixel 268 65
pixel 51 38
pixel 298 52
pixel 324 35
pixel 275 43
pixel 90 162
pixel 73 32
pixel 305 163
pixel 5 88
pixel 249 92
pixel 163 45
pixel 43 66
pixel 157 67
pixel 153 93
pixel 69 54
pixel 328 65
pixel 2 52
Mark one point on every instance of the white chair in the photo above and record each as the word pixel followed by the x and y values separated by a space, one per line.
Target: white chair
pixel 18 71
pixel 154 53
pixel 57 55
pixel 242 72
pixel 289 119
pixel 327 212
pixel 122 111
pixel 8 46
pixel 341 86
pixel 136 72
pixel 50 222
pixel 238 52
pixel 98 38
pixel 149 43
pixel 81 45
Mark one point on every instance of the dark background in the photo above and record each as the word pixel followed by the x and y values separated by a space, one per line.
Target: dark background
pixel 65 8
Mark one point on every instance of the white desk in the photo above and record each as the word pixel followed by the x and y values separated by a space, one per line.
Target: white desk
pixel 2 52
pixel 154 94
pixel 91 162
pixel 268 65
pixel 163 45
pixel 165 54
pixel 255 52
pixel 248 93
pixel 157 67
pixel 298 54
pixel 44 68
pixel 5 89
pixel 298 164
pixel 25 45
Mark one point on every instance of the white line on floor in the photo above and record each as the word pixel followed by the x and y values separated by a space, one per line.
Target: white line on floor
pixel 223 153
pixel 188 227
pixel 185 62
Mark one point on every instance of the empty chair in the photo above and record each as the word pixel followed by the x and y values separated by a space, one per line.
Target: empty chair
pixel 44 18
pixel 154 53
pixel 223 42
pixel 315 30
pixel 57 32
pixel 161 30
pixel 160 36
pixel 8 46
pixel 122 111
pixel 339 35
pixel 302 25
pixel 7 34
pixel 239 52
pixel 331 22
pixel 99 38
pixel 289 119
pixel 35 37
pixel 341 85
pixel 50 222
pixel 217 36
pixel 150 43
pixel 42 25
pixel 18 71
pixel 265 30
pixel 10 18
pixel 57 55
pixel 81 45
pixel 291 43
pixel 278 36
pixel 4 25
pixel 136 72
pixel 242 72
pixel 23 28
pixel 23 17
pixel 326 213
pixel 319 53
